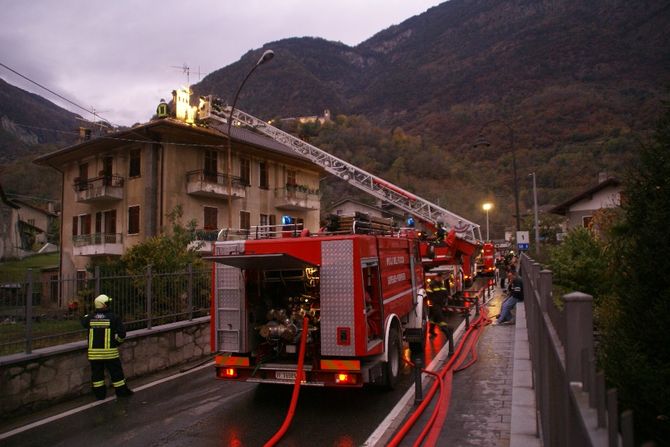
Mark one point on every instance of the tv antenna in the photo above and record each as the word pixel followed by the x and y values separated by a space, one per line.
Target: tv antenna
pixel 187 71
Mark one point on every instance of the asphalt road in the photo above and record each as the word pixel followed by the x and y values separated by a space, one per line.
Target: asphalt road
pixel 192 409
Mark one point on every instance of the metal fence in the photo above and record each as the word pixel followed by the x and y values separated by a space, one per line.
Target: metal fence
pixel 41 311
pixel 574 407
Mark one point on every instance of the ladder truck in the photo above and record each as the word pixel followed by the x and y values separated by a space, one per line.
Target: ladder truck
pixel 358 295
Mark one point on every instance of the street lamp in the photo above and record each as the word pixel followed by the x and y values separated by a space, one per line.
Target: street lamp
pixel 482 141
pixel 486 207
pixel 267 55
pixel 537 221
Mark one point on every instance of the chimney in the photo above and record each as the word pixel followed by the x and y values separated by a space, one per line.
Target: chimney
pixel 602 176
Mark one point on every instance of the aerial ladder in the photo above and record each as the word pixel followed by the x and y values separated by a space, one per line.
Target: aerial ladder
pixel 216 114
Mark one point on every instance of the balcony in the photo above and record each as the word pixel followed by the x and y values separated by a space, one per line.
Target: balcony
pixel 297 198
pixel 203 240
pixel 200 183
pixel 98 244
pixel 105 188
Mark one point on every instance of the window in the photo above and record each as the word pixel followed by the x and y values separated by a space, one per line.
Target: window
pixel 211 218
pixel 264 219
pixel 133 219
pixel 135 166
pixel 291 178
pixel 586 221
pixel 245 171
pixel 81 225
pixel 263 224
pixel 210 168
pixel 273 220
pixel 245 220
pixel 264 181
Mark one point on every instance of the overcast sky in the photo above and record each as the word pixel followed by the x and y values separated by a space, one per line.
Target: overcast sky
pixel 117 57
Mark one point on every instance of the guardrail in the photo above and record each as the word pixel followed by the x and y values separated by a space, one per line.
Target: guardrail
pixel 38 313
pixel 575 409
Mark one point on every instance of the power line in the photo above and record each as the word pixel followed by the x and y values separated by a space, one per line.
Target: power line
pixel 92 112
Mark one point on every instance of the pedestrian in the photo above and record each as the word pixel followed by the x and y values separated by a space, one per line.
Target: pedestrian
pixel 438 294
pixel 105 334
pixel 515 296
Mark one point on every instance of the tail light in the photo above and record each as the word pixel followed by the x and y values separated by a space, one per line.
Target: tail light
pixel 227 373
pixel 345 378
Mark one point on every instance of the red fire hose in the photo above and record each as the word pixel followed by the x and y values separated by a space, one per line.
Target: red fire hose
pixel 296 387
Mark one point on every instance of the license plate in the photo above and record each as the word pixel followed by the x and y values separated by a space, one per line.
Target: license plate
pixel 285 375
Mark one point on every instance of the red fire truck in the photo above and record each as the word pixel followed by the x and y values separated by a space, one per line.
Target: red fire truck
pixel 488 259
pixel 361 295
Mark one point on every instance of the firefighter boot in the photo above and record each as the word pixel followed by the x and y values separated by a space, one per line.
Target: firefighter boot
pixel 100 392
pixel 124 391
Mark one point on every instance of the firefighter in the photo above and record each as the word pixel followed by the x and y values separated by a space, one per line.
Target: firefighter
pixel 162 110
pixel 105 334
pixel 438 294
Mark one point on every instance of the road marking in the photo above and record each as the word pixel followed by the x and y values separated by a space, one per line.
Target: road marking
pixel 76 410
pixel 398 413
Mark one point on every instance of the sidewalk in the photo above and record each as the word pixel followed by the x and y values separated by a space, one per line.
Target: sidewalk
pixel 492 402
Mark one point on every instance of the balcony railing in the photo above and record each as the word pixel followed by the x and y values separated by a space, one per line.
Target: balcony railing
pixel 203 240
pixel 297 197
pixel 98 244
pixel 103 188
pixel 214 184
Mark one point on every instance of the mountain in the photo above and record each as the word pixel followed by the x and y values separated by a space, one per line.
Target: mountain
pixel 28 120
pixel 571 87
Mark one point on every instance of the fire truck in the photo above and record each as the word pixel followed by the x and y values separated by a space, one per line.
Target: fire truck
pixel 360 294
pixel 488 259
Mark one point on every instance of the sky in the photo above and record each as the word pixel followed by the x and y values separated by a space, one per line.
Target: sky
pixel 120 57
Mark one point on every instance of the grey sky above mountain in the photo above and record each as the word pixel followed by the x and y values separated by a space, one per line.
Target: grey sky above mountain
pixel 120 58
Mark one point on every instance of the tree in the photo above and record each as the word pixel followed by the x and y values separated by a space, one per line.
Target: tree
pixel 635 349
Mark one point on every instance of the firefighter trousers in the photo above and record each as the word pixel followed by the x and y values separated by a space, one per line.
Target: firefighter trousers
pixel 115 372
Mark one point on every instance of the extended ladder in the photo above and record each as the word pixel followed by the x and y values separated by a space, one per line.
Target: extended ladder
pixel 216 114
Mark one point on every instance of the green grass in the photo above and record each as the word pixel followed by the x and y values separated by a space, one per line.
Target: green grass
pixel 18 269
pixel 12 336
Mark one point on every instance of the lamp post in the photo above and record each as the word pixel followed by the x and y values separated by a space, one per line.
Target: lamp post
pixel 267 55
pixel 486 207
pixel 537 221
pixel 481 140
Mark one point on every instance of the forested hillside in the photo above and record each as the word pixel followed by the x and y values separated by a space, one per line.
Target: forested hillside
pixel 573 88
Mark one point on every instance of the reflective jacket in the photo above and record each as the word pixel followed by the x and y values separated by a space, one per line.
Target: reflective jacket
pixel 437 292
pixel 105 334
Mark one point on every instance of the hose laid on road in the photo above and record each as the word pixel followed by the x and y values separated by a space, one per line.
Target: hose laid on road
pixel 296 387
pixel 467 346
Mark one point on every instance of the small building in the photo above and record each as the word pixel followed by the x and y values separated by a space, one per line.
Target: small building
pixel 119 189
pixel 23 227
pixel 580 209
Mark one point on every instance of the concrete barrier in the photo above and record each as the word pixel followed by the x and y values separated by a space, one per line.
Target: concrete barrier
pixel 30 382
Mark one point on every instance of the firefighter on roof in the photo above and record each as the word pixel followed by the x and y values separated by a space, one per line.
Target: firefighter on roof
pixel 105 334
pixel 162 110
pixel 438 294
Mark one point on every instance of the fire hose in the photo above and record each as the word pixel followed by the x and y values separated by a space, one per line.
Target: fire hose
pixel 444 378
pixel 296 387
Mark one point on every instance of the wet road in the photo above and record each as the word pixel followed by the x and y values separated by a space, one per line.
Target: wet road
pixel 194 409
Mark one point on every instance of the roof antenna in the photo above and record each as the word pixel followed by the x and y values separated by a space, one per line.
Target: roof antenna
pixel 187 71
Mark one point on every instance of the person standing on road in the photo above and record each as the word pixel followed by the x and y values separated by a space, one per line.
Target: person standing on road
pixel 105 333
pixel 438 294
pixel 515 296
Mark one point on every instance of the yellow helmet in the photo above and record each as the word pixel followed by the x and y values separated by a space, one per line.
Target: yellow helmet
pixel 101 301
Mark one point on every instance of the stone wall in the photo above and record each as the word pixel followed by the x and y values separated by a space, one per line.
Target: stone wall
pixel 30 382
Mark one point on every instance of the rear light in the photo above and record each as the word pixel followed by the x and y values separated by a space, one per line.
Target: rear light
pixel 227 373
pixel 345 378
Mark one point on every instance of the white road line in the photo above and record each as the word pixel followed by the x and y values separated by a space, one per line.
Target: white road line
pixel 76 410
pixel 398 412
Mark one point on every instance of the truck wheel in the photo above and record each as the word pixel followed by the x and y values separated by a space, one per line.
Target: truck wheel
pixel 394 364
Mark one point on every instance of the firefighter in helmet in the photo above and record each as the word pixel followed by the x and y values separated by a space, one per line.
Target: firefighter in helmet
pixel 438 294
pixel 105 334
pixel 162 111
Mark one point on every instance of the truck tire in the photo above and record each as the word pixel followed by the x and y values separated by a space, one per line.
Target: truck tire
pixel 393 366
